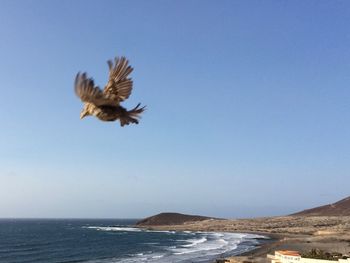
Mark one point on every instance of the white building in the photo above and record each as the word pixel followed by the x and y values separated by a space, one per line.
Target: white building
pixel 288 256
pixel 285 256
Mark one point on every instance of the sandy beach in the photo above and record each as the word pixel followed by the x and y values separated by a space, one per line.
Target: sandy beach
pixel 301 243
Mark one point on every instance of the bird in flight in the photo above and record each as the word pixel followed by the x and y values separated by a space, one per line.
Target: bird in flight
pixel 105 105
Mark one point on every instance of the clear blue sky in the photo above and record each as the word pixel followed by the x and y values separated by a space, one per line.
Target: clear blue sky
pixel 248 107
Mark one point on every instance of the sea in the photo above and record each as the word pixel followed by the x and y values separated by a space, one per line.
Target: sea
pixel 113 240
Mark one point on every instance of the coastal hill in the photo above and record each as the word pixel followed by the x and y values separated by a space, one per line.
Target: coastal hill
pixel 333 218
pixel 170 219
pixel 340 208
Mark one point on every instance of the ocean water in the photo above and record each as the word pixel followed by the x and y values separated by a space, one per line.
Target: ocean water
pixel 105 241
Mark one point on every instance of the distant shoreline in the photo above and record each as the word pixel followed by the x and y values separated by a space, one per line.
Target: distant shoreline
pixel 328 233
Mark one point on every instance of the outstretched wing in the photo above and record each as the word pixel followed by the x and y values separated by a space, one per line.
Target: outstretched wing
pixel 119 84
pixel 87 91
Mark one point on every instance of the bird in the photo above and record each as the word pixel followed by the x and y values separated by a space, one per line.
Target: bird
pixel 105 104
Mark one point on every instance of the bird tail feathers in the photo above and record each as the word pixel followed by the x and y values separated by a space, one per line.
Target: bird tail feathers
pixel 132 115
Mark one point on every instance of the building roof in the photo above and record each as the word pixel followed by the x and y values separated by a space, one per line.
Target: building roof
pixel 289 253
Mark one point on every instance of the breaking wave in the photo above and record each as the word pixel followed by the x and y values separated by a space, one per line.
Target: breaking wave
pixel 186 247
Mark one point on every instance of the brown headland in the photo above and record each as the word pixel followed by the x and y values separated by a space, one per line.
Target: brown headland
pixel 170 219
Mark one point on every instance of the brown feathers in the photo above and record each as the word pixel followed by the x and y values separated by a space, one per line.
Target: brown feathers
pixel 105 104
pixel 119 84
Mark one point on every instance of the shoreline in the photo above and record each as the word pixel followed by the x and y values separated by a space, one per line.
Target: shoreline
pixel 270 240
pixel 281 241
pixel 264 246
pixel 327 233
pixel 259 253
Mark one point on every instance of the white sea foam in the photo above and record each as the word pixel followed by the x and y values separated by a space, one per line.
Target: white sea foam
pixel 208 244
pixel 161 231
pixel 157 256
pixel 195 242
pixel 127 229
pixel 202 246
pixel 115 228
